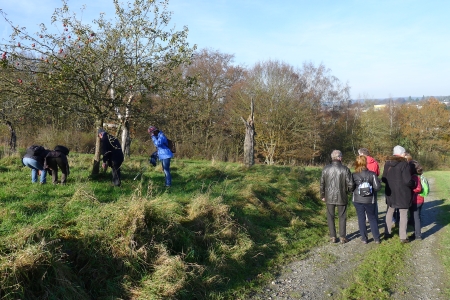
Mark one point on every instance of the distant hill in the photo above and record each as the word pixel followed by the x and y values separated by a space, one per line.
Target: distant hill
pixel 403 99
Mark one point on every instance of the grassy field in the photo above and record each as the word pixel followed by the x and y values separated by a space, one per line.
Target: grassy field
pixel 217 233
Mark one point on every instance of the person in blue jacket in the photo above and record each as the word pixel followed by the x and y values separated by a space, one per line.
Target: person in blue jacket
pixel 164 153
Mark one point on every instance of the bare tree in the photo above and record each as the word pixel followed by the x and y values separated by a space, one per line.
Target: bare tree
pixel 249 142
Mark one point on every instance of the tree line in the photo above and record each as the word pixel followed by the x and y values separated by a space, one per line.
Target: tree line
pixel 61 84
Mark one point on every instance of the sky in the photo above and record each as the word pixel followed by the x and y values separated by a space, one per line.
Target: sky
pixel 380 48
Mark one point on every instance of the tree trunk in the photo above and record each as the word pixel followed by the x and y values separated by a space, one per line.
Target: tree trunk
pixel 249 142
pixel 96 164
pixel 13 138
pixel 124 121
pixel 126 139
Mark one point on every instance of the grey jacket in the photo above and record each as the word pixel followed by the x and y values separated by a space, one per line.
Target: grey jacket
pixel 335 183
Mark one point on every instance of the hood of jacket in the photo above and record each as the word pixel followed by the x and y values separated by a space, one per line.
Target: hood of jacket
pixel 394 160
pixel 370 160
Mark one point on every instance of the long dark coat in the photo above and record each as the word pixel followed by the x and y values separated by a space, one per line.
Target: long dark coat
pixel 399 184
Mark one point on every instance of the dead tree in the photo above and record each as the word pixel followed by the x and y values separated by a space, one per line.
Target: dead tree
pixel 12 131
pixel 249 142
pixel 13 137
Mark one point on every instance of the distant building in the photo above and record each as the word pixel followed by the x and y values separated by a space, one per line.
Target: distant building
pixel 379 106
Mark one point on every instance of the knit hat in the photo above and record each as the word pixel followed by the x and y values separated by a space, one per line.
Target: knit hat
pixel 100 130
pixel 398 150
pixel 151 129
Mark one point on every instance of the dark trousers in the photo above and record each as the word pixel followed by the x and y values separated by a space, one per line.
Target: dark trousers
pixel 55 162
pixel 342 214
pixel 414 213
pixel 370 209
pixel 115 168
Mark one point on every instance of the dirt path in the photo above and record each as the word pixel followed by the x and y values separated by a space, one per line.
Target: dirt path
pixel 320 276
pixel 425 276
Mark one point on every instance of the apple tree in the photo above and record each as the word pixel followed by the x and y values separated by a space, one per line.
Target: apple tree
pixel 101 69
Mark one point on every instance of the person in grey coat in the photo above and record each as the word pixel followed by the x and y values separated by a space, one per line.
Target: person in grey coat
pixel 335 185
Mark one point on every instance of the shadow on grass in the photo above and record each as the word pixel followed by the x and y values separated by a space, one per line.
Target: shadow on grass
pixel 435 214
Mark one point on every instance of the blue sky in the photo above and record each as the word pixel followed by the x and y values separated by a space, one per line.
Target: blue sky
pixel 382 49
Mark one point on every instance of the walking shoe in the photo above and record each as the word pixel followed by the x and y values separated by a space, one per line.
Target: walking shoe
pixel 363 241
pixel 405 241
pixel 387 236
pixel 343 240
pixel 414 237
pixel 332 240
pixel 377 242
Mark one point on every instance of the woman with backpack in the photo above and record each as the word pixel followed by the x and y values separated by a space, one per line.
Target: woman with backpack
pixel 417 200
pixel 366 184
pixel 164 154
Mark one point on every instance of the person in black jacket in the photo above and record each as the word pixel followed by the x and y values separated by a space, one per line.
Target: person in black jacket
pixel 112 154
pixel 335 183
pixel 398 190
pixel 57 158
pixel 34 159
pixel 365 202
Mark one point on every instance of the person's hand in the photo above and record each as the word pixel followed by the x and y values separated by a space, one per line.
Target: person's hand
pixel 323 199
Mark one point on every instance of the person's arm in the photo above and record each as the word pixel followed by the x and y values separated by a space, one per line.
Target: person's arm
pixel 160 140
pixel 322 187
pixel 354 182
pixel 376 183
pixel 349 181
pixel 65 162
pixel 384 176
pixel 407 178
pixel 377 169
pixel 418 186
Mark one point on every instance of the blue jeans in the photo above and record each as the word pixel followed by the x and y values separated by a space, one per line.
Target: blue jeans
pixel 166 168
pixel 370 209
pixel 35 166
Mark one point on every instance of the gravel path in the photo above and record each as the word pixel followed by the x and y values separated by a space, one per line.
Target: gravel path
pixel 319 276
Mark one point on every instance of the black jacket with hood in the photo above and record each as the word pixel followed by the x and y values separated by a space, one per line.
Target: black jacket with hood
pixel 399 184
pixel 111 149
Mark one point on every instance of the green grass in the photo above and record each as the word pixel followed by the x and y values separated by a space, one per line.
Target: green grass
pixel 217 233
pixel 443 192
